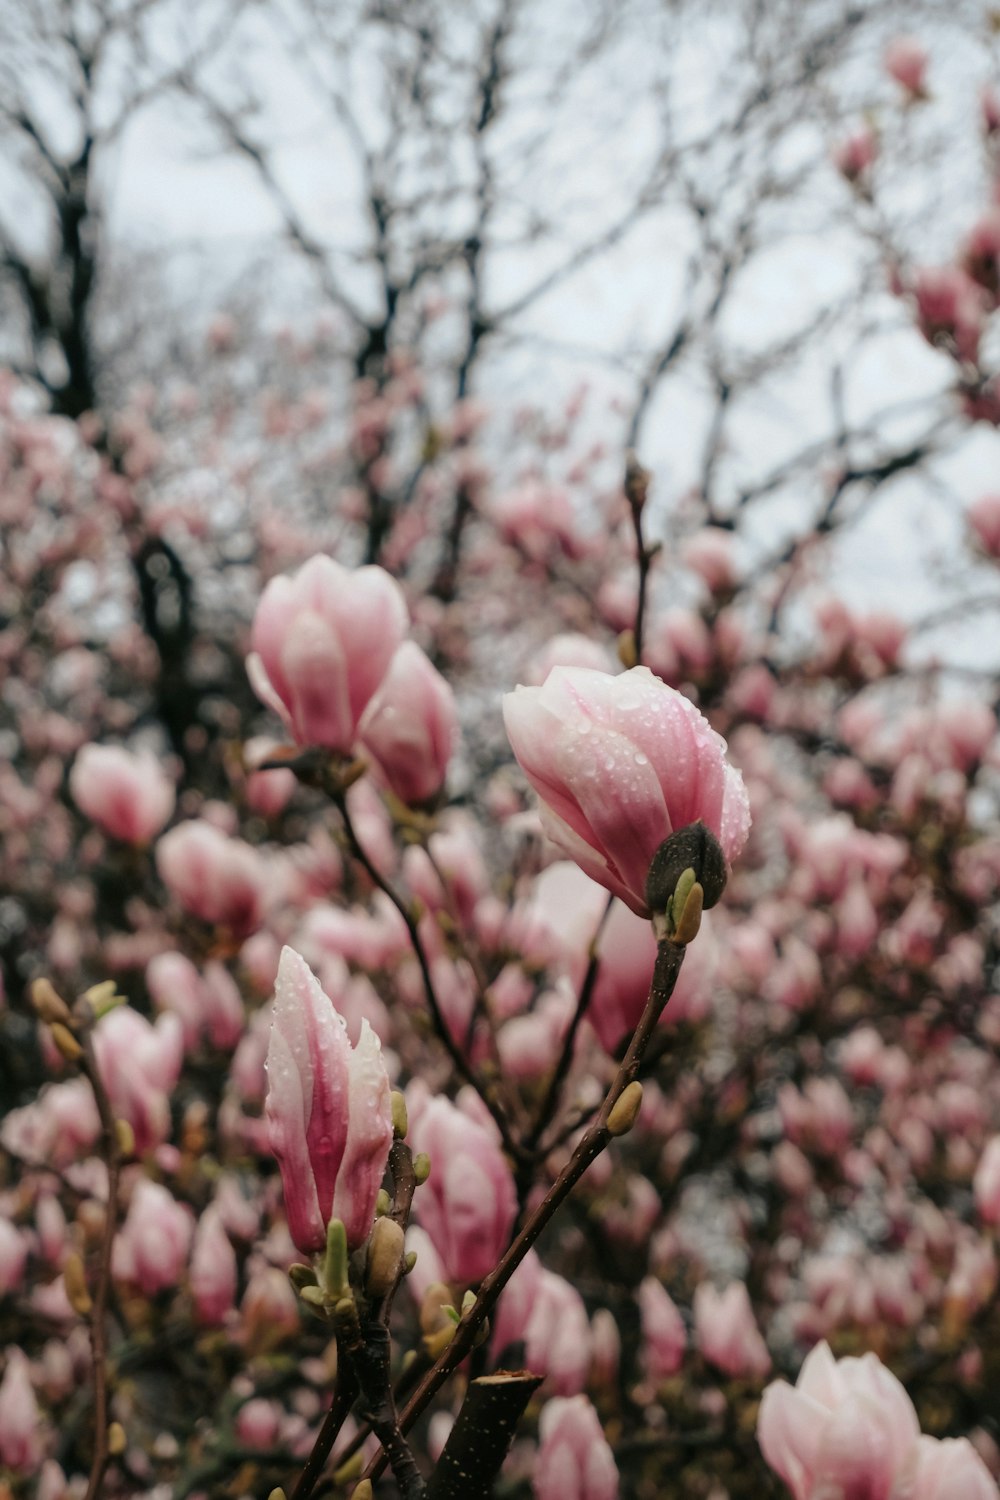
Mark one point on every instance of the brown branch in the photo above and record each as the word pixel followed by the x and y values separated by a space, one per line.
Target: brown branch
pixel 481 1437
pixel 98 1313
pixel 344 1396
pixel 584 998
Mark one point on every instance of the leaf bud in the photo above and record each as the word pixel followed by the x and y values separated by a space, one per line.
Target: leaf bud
pixel 47 1004
pixel 75 1282
pixel 65 1041
pixel 692 848
pixel 399 1120
pixel 625 1109
pixel 385 1254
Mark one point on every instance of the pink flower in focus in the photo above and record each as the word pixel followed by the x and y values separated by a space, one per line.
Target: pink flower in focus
pixel 328 1112
pixel 468 1205
pixel 321 644
pixel 620 763
pixel 847 1428
pixel 20 1420
pixel 574 1461
pixel 410 726
pixel 218 879
pixel 949 1468
pixel 126 795
pixel 726 1332
pixel 151 1248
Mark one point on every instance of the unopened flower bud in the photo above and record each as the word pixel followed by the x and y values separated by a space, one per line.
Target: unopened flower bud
pixel 399 1120
pixel 693 848
pixel 385 1253
pixel 421 1167
pixel 627 654
pixel 301 1276
pixel 65 1041
pixel 76 1285
pixel 636 482
pixel 334 1278
pixel 278 1494
pixel 116 1439
pixel 363 1491
pixel 687 918
pixel 48 1005
pixel 126 1137
pixel 103 997
pixel 625 1109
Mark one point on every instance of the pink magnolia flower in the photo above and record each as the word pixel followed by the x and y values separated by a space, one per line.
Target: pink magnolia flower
pixel 410 726
pixel 726 1331
pixel 951 1467
pixel 906 61
pixel 321 644
pixel 986 1182
pixel 213 1273
pixel 856 153
pixel 468 1205
pixel 127 795
pixel 140 1065
pixel 151 1248
pixel 20 1440
pixel 13 1256
pixel 664 1337
pixel 983 516
pixel 219 879
pixel 328 1111
pixel 557 1342
pixel 847 1428
pixel 620 763
pixel 569 650
pixel 574 1461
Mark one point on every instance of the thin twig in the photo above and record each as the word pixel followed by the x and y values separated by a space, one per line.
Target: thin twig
pixel 98 1313
pixel 565 1058
pixel 458 1058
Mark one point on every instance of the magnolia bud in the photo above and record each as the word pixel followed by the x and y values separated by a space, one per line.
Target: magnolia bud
pixel 76 1285
pixel 626 649
pixel 399 1120
pixel 421 1167
pixel 625 1109
pixel 301 1276
pixel 65 1041
pixel 116 1439
pixel 693 848
pixel 48 1005
pixel 385 1253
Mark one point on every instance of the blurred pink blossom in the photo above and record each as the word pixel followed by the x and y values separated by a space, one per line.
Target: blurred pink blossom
pixel 322 642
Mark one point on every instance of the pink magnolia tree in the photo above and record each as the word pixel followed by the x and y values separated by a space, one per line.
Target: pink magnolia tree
pixel 493 1003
